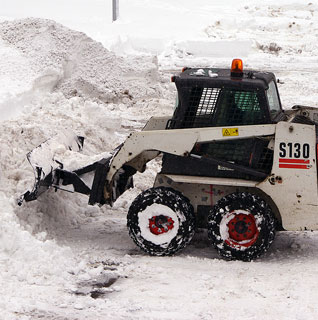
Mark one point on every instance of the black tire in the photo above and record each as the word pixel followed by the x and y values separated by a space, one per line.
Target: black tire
pixel 241 226
pixel 161 221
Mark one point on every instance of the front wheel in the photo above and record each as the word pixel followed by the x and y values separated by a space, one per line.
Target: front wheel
pixel 161 221
pixel 241 226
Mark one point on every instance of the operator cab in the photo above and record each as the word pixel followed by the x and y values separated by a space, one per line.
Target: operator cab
pixel 211 97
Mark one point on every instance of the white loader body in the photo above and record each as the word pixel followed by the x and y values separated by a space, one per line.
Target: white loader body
pixel 291 186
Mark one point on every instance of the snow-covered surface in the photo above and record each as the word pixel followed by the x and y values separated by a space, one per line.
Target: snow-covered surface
pixel 60 258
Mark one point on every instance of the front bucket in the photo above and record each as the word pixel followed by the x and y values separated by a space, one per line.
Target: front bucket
pixel 43 162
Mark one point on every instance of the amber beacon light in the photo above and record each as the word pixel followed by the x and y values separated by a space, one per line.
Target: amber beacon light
pixel 237 68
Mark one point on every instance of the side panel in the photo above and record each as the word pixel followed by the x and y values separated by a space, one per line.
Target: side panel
pixel 293 184
pixel 201 194
pixel 204 192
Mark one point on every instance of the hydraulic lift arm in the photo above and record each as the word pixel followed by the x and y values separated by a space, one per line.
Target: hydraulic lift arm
pixel 141 147
pixel 113 175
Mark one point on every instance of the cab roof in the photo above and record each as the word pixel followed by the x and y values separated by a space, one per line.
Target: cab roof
pixel 214 77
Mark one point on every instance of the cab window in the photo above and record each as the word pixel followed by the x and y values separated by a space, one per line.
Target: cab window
pixel 273 100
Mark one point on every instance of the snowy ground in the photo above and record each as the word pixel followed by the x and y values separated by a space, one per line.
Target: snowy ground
pixel 61 259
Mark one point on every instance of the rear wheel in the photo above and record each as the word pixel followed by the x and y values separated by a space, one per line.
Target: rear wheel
pixel 241 226
pixel 161 221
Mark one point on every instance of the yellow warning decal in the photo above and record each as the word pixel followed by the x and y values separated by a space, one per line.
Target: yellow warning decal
pixel 230 132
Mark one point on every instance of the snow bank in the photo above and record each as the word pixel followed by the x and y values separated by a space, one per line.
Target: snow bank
pixel 28 261
pixel 39 257
pixel 55 79
pixel 69 62
pixel 73 83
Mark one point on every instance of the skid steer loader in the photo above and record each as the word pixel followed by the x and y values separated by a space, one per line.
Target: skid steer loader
pixel 232 160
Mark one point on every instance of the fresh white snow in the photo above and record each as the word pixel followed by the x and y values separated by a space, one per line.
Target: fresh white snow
pixel 63 259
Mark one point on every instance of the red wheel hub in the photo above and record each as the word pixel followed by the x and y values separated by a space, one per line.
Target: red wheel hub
pixel 243 230
pixel 160 224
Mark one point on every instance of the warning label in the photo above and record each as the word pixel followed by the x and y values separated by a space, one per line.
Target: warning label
pixel 230 132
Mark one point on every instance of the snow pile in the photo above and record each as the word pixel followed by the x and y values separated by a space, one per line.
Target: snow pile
pixel 67 61
pixel 76 84
pixel 58 79
pixel 28 261
pixel 43 258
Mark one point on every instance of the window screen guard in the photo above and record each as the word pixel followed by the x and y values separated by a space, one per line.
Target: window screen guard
pixel 208 107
